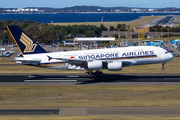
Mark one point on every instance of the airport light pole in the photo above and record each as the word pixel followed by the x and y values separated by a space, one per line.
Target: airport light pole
pixel 126 33
pixel 168 31
pixel 156 31
pixel 139 37
pixel 161 32
pixel 53 46
pixel 143 32
pixel 119 33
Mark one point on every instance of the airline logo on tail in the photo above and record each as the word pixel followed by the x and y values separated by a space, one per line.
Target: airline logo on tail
pixel 30 47
pixel 25 44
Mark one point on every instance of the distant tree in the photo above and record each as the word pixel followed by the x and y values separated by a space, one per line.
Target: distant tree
pixel 115 35
pixel 135 36
pixel 1 25
pixel 123 27
pixel 7 21
pixel 16 22
pixel 89 33
pixel 123 36
pixel 112 28
pixel 45 33
pixel 75 31
pixel 97 31
pixel 119 26
pixel 103 28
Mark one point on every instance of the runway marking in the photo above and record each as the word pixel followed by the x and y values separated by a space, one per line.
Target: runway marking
pixel 67 76
pixel 31 76
pixel 50 80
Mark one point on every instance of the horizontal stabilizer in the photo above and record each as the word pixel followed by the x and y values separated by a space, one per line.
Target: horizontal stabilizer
pixel 27 62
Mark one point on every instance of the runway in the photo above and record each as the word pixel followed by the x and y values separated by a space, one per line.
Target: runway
pixel 97 111
pixel 80 79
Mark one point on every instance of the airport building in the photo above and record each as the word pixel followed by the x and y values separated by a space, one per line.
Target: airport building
pixel 23 10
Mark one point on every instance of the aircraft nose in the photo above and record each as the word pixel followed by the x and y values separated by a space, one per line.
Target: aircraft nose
pixel 170 56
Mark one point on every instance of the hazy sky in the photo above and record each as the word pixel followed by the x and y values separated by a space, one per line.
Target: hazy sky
pixel 103 3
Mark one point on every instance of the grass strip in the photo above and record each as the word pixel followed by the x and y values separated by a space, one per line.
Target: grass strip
pixel 30 96
pixel 133 24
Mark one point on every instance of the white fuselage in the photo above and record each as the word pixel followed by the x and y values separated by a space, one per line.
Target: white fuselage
pixel 137 55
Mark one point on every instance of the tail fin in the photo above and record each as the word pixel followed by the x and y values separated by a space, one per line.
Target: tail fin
pixel 25 44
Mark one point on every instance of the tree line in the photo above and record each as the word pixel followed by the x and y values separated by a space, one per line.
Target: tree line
pixel 164 29
pixel 121 27
pixel 49 34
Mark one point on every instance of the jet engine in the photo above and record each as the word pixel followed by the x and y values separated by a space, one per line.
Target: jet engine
pixel 94 65
pixel 114 66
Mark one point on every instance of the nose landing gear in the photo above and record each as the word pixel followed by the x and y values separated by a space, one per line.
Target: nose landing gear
pixel 163 68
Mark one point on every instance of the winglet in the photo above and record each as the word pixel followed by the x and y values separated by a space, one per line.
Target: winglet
pixel 25 44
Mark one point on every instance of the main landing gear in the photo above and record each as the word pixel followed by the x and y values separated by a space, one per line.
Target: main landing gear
pixel 90 73
pixel 163 68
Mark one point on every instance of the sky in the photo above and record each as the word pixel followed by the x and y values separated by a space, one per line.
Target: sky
pixel 103 3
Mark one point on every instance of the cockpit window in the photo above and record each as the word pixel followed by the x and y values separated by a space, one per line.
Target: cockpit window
pixel 166 52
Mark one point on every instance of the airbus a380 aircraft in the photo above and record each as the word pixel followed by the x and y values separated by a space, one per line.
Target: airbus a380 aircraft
pixel 112 59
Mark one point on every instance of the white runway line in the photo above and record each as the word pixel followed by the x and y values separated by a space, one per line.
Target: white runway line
pixel 67 76
pixel 50 80
pixel 31 76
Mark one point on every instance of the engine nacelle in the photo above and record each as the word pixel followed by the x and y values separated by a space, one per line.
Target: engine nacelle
pixel 114 66
pixel 94 65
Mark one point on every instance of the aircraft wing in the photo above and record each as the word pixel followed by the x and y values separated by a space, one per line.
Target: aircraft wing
pixel 82 62
pixel 70 59
pixel 127 63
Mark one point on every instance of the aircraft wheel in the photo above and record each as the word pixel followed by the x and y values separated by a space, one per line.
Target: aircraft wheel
pixel 98 73
pixel 91 73
pixel 163 68
pixel 87 73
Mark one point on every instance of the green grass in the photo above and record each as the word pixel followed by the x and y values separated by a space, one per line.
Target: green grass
pixel 6 60
pixel 29 96
pixel 178 21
